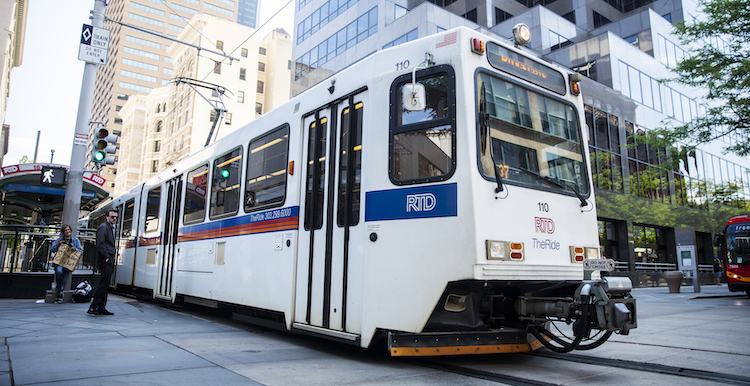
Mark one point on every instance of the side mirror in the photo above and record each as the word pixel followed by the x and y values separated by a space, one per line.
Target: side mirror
pixel 414 97
pixel 717 239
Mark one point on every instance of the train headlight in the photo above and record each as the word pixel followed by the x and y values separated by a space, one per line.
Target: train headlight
pixel 592 253
pixel 497 250
pixel 504 250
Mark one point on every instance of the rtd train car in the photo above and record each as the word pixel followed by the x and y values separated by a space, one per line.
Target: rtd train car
pixel 434 198
pixel 735 253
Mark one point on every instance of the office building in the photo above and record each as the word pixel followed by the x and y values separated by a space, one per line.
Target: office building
pixel 171 122
pixel 623 48
pixel 13 21
pixel 138 61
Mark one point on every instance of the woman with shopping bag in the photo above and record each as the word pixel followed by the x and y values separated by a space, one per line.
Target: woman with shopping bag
pixel 61 273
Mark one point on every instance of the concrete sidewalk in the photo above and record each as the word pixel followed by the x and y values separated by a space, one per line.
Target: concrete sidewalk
pixel 146 343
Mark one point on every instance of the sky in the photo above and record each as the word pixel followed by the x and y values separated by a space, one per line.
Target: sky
pixel 45 89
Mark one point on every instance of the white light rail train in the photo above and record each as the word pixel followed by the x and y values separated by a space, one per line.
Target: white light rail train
pixel 434 198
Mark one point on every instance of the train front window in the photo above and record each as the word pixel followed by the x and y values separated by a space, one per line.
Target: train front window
pixel 530 138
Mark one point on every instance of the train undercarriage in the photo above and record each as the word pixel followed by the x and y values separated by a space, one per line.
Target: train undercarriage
pixel 480 317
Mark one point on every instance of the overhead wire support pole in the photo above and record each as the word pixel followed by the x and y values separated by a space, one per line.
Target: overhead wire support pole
pixel 74 183
pixel 220 90
pixel 139 29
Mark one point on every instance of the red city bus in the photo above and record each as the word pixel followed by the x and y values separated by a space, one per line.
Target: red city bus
pixel 735 253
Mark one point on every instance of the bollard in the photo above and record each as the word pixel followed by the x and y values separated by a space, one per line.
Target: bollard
pixel 674 280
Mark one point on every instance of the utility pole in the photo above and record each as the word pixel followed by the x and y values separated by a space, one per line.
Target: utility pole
pixel 72 203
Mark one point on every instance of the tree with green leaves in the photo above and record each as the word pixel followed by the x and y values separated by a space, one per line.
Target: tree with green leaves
pixel 24 160
pixel 723 69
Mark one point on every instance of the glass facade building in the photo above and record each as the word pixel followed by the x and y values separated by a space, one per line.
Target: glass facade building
pixel 623 49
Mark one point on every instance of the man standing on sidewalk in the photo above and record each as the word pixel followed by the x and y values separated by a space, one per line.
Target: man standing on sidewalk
pixel 105 251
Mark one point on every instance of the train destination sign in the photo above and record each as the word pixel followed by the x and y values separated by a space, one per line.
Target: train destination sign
pixel 525 68
pixel 94 45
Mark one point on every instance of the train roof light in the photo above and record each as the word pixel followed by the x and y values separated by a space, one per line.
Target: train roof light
pixel 521 34
pixel 477 46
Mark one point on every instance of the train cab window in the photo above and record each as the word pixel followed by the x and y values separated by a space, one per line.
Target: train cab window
pixel 127 219
pixel 225 184
pixel 530 138
pixel 356 144
pixel 423 143
pixel 266 170
pixel 152 209
pixel 195 195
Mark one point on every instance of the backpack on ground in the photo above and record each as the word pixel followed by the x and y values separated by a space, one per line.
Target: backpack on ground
pixel 82 293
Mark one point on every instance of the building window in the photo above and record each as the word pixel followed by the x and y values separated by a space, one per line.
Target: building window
pixel 154 166
pixel 158 126
pixel 258 108
pixel 243 52
pixel 242 73
pixel 217 67
pixel 212 116
pixel 122 97
pixel 570 16
pixel 157 146
pixel 501 15
pixel 600 20
pixel 118 108
pixel 228 119
pixel 471 15
pixel 262 50
pixel 604 149
pixel 261 67
pixel 118 121
pixel 260 87
pixel 219 45
pixel 240 97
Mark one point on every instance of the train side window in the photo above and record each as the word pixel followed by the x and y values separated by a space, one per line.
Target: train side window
pixel 127 219
pixel 153 200
pixel 195 195
pixel 423 143
pixel 225 184
pixel 356 163
pixel 266 170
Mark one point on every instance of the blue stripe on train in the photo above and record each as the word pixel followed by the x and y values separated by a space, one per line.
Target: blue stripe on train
pixel 410 203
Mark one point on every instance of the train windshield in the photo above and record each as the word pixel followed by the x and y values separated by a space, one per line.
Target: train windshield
pixel 529 138
pixel 738 244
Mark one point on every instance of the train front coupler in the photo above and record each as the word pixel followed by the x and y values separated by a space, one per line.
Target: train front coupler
pixel 604 306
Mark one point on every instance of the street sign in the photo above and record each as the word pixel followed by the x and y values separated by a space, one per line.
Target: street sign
pixel 94 45
pixel 599 265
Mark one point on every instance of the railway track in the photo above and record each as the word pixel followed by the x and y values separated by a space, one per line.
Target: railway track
pixel 643 367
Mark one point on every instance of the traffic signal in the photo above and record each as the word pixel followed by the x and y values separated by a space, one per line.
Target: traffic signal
pixel 105 146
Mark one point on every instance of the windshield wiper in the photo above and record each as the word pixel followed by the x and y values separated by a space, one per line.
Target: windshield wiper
pixel 565 185
pixel 558 183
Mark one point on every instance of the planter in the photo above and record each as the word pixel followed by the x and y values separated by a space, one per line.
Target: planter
pixel 674 279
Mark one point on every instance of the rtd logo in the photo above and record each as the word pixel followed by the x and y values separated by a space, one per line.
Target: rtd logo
pixel 423 202
pixel 97 179
pixel 10 169
pixel 544 225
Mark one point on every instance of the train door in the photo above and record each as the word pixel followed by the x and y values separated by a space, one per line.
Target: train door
pixel 169 238
pixel 329 209
pixel 119 246
pixel 126 259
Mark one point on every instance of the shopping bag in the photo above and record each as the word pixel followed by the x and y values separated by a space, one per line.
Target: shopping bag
pixel 67 257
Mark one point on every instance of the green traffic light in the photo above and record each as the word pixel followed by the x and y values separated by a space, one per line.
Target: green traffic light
pixel 225 173
pixel 99 156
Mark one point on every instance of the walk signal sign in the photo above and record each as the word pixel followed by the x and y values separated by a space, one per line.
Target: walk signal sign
pixel 53 176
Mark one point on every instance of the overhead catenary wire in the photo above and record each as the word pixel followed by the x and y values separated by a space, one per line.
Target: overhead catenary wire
pixel 224 56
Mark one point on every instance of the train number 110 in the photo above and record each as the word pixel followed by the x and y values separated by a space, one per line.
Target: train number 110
pixel 543 207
